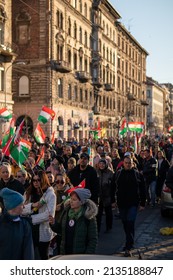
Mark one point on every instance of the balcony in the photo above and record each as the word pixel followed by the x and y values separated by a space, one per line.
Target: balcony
pixel 61 66
pixel 97 82
pixel 83 76
pixel 6 53
pixel 109 87
pixel 96 110
pixel 131 97
pixel 144 103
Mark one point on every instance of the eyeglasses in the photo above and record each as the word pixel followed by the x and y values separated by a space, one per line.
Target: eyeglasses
pixel 60 182
pixel 36 180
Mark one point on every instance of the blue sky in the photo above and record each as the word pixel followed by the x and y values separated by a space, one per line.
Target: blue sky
pixel 151 23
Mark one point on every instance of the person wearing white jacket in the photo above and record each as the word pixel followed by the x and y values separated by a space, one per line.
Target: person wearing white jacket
pixel 40 204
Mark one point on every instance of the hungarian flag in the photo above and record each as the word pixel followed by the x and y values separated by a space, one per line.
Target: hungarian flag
pixel 136 126
pixel 52 138
pixel 18 132
pixel 5 114
pixel 40 160
pixel 39 134
pixel 9 133
pixel 46 114
pixel 170 129
pixel 81 185
pixel 123 128
pixel 20 152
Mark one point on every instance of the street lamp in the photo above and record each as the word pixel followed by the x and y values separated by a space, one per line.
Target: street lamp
pixel 5 78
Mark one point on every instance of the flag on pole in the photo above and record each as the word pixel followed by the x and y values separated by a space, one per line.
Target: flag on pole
pixel 18 132
pixel 46 114
pixel 5 114
pixel 40 160
pixel 136 126
pixel 39 134
pixel 20 152
pixel 123 128
pixel 9 133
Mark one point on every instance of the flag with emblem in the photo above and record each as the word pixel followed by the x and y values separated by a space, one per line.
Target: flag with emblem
pixel 19 153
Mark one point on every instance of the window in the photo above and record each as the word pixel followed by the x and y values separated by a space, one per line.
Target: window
pixel 59 19
pixel 69 92
pixel 23 86
pixel 80 6
pixel 1 33
pixel 85 10
pixel 75 93
pixel 86 39
pixel 81 95
pixel 69 57
pixel 1 78
pixel 69 27
pixel 80 35
pixel 59 87
pixel 23 21
pixel 75 61
pixel 75 30
pixel 75 4
pixel 59 52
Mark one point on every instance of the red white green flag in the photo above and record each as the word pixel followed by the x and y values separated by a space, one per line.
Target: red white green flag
pixel 39 134
pixel 20 152
pixel 46 114
pixel 170 129
pixel 40 160
pixel 123 128
pixel 5 114
pixel 9 133
pixel 136 126
pixel 18 132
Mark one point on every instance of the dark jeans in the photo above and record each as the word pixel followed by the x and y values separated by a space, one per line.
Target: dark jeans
pixel 128 217
pixel 108 214
pixel 43 248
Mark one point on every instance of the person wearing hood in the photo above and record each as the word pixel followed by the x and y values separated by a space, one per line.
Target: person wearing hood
pixel 15 231
pixel 77 226
pixel 106 194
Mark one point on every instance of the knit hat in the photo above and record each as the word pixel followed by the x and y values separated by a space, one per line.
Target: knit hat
pixel 11 198
pixel 83 194
pixel 104 161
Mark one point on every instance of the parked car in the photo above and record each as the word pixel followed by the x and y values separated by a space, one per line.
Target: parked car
pixel 166 201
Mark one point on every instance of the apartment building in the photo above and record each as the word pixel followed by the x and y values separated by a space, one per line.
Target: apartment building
pixel 78 59
pixel 7 56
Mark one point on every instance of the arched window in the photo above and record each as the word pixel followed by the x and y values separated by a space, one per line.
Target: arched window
pixel 23 86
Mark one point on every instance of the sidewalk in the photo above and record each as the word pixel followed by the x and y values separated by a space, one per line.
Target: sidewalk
pixel 149 243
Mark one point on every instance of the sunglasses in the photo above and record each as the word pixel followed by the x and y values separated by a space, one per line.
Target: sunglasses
pixel 60 182
pixel 36 180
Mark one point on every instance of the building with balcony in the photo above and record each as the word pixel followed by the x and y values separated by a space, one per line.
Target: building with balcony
pixel 71 51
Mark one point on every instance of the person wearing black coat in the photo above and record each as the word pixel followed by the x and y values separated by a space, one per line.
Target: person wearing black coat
pixel 7 180
pixel 130 193
pixel 163 166
pixel 85 171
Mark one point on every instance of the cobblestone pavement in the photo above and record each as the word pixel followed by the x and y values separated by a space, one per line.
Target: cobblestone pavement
pixel 149 242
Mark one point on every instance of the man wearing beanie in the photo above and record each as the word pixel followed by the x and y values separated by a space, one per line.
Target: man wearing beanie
pixel 77 226
pixel 15 231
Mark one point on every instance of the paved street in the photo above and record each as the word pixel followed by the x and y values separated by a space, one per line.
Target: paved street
pixel 149 242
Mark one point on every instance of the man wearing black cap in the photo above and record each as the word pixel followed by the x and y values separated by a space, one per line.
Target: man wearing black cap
pixel 85 171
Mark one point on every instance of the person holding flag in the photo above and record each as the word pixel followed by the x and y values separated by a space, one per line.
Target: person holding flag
pixel 77 226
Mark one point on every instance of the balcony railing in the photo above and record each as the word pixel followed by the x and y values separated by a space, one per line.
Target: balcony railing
pixel 83 76
pixel 61 66
pixel 144 103
pixel 97 110
pixel 109 87
pixel 98 82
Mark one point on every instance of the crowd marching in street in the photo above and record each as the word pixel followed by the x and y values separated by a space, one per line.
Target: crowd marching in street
pixel 53 202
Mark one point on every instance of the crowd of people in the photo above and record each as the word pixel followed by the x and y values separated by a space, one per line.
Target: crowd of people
pixel 48 212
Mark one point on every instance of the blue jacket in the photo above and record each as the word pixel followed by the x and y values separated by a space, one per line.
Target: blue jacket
pixel 15 239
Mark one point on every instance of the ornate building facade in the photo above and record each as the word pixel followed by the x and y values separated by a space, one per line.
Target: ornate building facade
pixel 78 59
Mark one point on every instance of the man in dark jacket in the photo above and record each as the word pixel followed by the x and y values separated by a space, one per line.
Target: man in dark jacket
pixel 150 172
pixel 15 232
pixel 85 171
pixel 130 193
